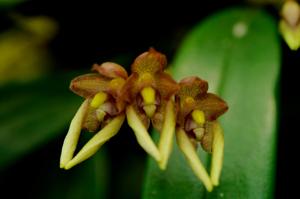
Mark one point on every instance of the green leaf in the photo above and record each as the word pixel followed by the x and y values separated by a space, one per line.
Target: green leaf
pixel 237 52
pixel 33 114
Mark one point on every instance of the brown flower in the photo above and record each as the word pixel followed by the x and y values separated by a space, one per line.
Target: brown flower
pixel 102 109
pixel 149 91
pixel 196 122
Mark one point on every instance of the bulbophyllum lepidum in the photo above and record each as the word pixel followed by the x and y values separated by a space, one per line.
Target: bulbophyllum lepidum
pixel 149 93
pixel 148 96
pixel 196 123
pixel 101 111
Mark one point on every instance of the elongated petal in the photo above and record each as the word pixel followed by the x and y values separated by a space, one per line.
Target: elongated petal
pixel 166 138
pixel 217 153
pixel 141 133
pixel 93 145
pixel 191 155
pixel 72 137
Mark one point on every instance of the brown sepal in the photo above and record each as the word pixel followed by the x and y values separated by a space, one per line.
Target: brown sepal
pixel 111 70
pixel 149 62
pixel 89 84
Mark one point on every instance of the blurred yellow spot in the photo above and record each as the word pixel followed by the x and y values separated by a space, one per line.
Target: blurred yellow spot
pixel 98 99
pixel 116 83
pixel 198 116
pixel 289 26
pixel 290 12
pixel 148 94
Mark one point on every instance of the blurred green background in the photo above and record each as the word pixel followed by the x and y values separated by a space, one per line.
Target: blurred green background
pixel 43 45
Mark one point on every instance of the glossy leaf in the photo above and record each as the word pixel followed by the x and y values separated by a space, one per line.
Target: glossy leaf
pixel 237 52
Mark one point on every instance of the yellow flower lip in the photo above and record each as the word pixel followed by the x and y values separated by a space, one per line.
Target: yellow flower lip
pixel 98 99
pixel 198 116
pixel 148 95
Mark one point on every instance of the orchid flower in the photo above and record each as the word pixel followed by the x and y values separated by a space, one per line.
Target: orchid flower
pixel 149 92
pixel 101 111
pixel 196 123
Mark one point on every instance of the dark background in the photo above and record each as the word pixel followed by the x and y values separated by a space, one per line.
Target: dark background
pixel 97 32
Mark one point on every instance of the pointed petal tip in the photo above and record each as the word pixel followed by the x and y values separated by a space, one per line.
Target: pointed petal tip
pixel 215 182
pixel 69 165
pixel 210 188
pixel 61 166
pixel 162 165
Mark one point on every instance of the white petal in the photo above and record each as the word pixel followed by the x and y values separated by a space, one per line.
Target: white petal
pixel 141 133
pixel 191 156
pixel 166 138
pixel 93 145
pixel 72 136
pixel 217 153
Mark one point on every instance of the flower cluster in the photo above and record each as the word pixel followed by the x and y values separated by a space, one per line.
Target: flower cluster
pixel 148 96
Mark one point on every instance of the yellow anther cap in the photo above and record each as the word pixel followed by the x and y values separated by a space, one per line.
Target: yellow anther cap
pixel 98 99
pixel 148 94
pixel 198 116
